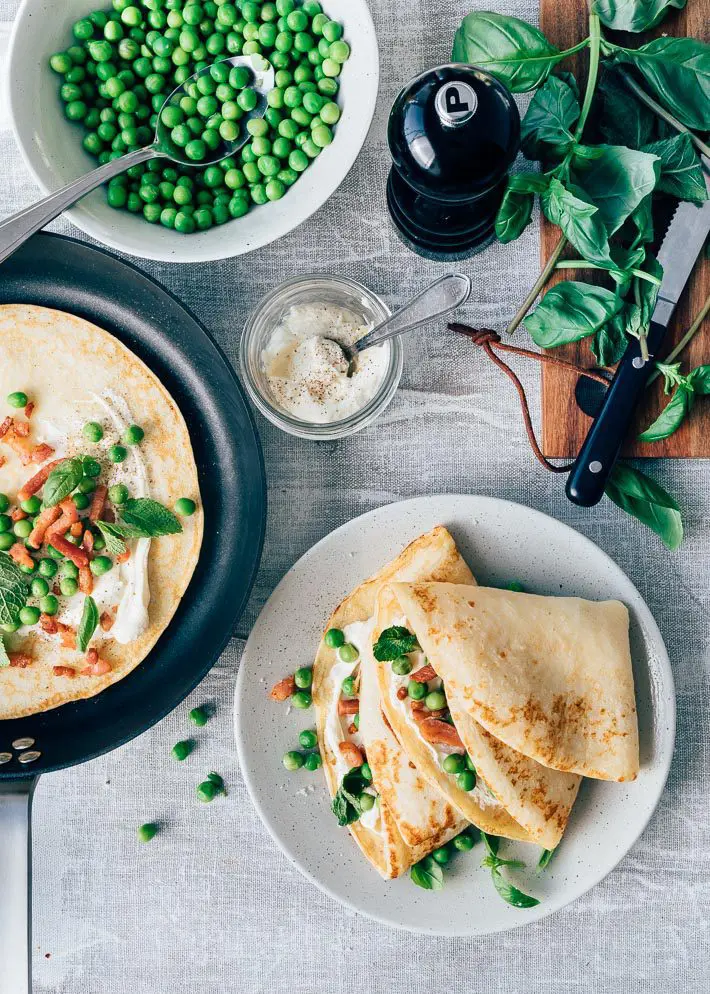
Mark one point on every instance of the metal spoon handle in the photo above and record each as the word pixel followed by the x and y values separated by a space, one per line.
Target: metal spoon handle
pixel 16 229
pixel 442 296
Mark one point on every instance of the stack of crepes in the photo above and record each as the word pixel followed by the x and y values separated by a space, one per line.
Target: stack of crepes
pixel 538 693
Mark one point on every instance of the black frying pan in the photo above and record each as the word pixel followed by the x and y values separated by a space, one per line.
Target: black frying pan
pixel 68 275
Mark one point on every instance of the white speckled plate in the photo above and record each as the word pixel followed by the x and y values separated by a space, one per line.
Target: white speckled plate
pixel 501 541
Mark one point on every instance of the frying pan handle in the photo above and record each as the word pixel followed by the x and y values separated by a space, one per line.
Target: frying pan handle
pixel 15 886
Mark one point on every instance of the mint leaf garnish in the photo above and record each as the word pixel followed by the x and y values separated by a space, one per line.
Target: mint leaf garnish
pixel 148 518
pixel 394 642
pixel 427 874
pixel 13 590
pixel 4 658
pixel 111 534
pixel 61 481
pixel 87 625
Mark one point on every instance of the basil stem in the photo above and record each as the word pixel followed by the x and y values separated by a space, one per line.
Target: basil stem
pixel 586 264
pixel 661 112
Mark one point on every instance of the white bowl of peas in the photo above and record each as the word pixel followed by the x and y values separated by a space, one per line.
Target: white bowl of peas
pixel 86 81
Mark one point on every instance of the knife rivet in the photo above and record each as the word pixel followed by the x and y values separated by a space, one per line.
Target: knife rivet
pixel 595 466
pixel 638 362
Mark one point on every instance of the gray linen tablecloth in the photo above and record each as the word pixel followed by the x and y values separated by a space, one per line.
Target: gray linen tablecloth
pixel 212 905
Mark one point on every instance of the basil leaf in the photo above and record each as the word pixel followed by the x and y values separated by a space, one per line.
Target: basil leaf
pixel 4 658
pixel 148 518
pixel 617 181
pixel 634 15
pixel 610 342
pixel 677 71
pixel 648 501
pixel 343 810
pixel 624 119
pixel 492 843
pixel 571 311
pixel 514 51
pixel 513 215
pixel 545 858
pixel 113 536
pixel 682 172
pixel 642 221
pixel 427 874
pixel 510 894
pixel 549 119
pixel 671 417
pixel 61 481
pixel 394 642
pixel 13 590
pixel 699 379
pixel 87 625
pixel 580 221
pixel 346 804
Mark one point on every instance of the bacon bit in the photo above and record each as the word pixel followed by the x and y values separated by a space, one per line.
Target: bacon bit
pixel 351 753
pixel 349 706
pixel 64 671
pixel 46 518
pixel 17 514
pixel 401 693
pixel 419 713
pixel 98 501
pixel 418 706
pixel 86 580
pixel 352 728
pixel 67 635
pixel 284 689
pixel 49 624
pixel 423 675
pixel 21 429
pixel 124 556
pixel 21 660
pixel 6 426
pixel 70 513
pixel 77 529
pixel 88 541
pixel 29 408
pixel 41 452
pixel 78 556
pixel 19 444
pixel 106 621
pixel 440 732
pixel 21 556
pixel 97 666
pixel 37 481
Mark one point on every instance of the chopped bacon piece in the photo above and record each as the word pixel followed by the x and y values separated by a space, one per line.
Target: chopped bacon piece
pixel 349 705
pixel 86 580
pixel 70 514
pixel 351 753
pixel 64 671
pixel 42 523
pixel 21 660
pixel 21 556
pixel 21 429
pixel 106 621
pixel 420 711
pixel 98 500
pixel 6 426
pixel 19 444
pixel 40 453
pixel 402 694
pixel 88 541
pixel 418 706
pixel 67 635
pixel 49 624
pixel 29 408
pixel 17 514
pixel 423 675
pixel 440 732
pixel 352 728
pixel 284 689
pixel 124 556
pixel 78 556
pixel 37 481
pixel 77 529
pixel 97 666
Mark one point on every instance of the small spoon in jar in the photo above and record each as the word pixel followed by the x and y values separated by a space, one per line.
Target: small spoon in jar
pixel 442 296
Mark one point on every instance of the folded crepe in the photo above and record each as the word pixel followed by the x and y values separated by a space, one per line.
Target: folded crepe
pixel 411 817
pixel 550 677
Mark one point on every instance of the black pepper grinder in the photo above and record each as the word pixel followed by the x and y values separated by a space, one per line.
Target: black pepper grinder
pixel 453 134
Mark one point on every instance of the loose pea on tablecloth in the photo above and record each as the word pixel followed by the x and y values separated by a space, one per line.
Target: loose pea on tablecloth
pixel 211 905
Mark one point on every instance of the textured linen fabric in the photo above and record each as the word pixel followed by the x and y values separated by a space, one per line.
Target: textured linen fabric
pixel 211 904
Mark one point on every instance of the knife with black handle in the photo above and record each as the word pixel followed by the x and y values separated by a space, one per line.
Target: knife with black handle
pixel 679 251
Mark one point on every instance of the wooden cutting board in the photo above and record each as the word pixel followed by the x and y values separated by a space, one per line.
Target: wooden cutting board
pixel 564 425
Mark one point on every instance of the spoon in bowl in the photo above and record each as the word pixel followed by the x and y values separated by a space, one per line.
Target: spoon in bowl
pixel 439 298
pixel 16 229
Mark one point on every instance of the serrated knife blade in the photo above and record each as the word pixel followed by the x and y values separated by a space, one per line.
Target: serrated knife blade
pixel 679 251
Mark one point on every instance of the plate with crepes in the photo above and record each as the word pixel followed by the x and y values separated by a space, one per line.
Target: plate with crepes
pixel 455 715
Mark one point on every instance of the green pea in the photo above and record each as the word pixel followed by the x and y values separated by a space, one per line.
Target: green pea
pixel 339 52
pixel 32 505
pixel 288 176
pixel 199 716
pixel 207 791
pixel 117 453
pixel 455 763
pixel 401 666
pixel 22 528
pixel 81 501
pixel 60 63
pixel 334 638
pixel 366 801
pixel 39 587
pixel 4 503
pixel 87 486
pixel 436 700
pixel 442 855
pixel 356 720
pixel 118 493
pixel 313 761
pixel 5 523
pixel 331 31
pixel 100 565
pixel 348 653
pixel 234 179
pixel 181 750
pixel 69 569
pixel 133 435
pixel 48 567
pixel 517 587
pixel 293 760
pixel 466 780
pixel 322 136
pixel 301 699
pixel 238 205
pixel 68 587
pixel 17 399
pixel 331 67
pixel 348 686
pixel 303 677
pixel 247 100
pixel 29 615
pixel 463 842
pixel 7 540
pixel 147 832
pixel 311 149
pixel 275 189
pixel 417 691
pixel 49 604
pixel 10 628
pixel 308 739
pixel 185 507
